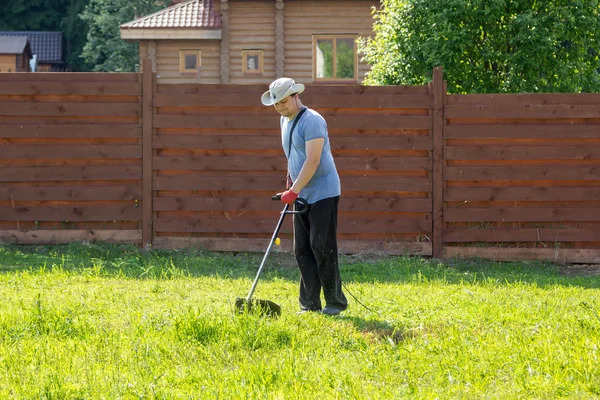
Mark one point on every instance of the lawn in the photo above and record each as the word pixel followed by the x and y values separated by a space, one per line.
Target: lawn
pixel 110 322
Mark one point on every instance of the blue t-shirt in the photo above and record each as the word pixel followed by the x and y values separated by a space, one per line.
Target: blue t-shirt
pixel 325 182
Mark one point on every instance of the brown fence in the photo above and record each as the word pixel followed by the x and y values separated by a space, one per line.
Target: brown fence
pixel 118 158
pixel 522 176
pixel 218 159
pixel 70 157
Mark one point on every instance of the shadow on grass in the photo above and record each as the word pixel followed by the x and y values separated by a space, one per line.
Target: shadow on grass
pixel 381 331
pixel 128 261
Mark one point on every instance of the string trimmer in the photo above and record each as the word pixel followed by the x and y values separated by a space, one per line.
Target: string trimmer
pixel 268 307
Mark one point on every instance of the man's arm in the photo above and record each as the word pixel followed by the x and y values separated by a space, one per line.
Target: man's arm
pixel 314 148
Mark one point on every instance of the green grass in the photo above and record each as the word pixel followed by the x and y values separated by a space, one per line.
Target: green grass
pixel 99 321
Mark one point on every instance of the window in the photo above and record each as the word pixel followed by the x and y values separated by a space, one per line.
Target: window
pixel 189 61
pixel 334 58
pixel 252 62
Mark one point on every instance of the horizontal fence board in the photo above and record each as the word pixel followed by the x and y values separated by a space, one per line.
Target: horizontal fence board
pixel 104 212
pixel 215 204
pixel 369 101
pixel 57 193
pixel 28 77
pixel 375 163
pixel 521 173
pixel 33 174
pixel 378 122
pixel 355 225
pixel 522 214
pixel 211 89
pixel 352 90
pixel 225 89
pixel 214 122
pixel 523 111
pixel 259 245
pixel 189 225
pixel 71 109
pixel 218 183
pixel 387 248
pixel 524 99
pixel 241 163
pixel 70 131
pixel 521 193
pixel 522 235
pixel 564 256
pixel 261 122
pixel 205 100
pixel 385 183
pixel 583 152
pixel 373 205
pixel 215 142
pixel 225 163
pixel 271 183
pixel 244 142
pixel 382 143
pixel 538 131
pixel 375 100
pixel 53 152
pixel 70 236
pixel 72 88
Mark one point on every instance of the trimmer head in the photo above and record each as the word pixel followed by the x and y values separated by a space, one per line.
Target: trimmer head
pixel 263 307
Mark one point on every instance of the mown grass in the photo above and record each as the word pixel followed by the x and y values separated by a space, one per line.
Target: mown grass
pixel 100 321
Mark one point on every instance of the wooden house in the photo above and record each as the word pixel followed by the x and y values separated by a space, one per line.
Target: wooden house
pixel 255 41
pixel 15 53
pixel 46 47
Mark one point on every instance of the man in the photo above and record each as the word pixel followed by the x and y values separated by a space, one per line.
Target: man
pixel 312 175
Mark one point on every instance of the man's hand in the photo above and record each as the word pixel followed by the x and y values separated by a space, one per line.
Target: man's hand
pixel 289 197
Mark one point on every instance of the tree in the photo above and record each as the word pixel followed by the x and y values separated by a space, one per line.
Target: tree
pixel 50 15
pixel 487 46
pixel 104 48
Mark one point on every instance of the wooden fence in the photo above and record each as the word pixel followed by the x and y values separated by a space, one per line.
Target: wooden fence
pixel 70 157
pixel 522 176
pixel 120 158
pixel 218 159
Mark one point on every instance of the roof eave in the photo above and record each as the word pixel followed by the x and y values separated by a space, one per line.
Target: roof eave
pixel 169 33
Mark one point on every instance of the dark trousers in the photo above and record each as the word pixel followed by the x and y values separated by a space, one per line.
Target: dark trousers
pixel 315 248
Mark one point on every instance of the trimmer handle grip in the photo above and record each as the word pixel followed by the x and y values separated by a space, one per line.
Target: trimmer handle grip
pixel 301 204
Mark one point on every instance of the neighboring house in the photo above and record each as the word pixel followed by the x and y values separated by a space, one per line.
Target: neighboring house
pixel 15 53
pixel 47 48
pixel 255 41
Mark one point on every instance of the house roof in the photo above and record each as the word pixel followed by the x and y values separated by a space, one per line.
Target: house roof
pixel 190 14
pixel 46 45
pixel 13 44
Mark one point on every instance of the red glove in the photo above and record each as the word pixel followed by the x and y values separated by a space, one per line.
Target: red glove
pixel 289 197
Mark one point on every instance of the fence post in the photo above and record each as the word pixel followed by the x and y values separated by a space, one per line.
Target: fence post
pixel 437 87
pixel 148 85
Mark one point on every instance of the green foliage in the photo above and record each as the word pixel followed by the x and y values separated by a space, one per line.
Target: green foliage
pixel 35 15
pixel 326 47
pixel 104 48
pixel 74 30
pixel 345 58
pixel 487 46
pixel 50 15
